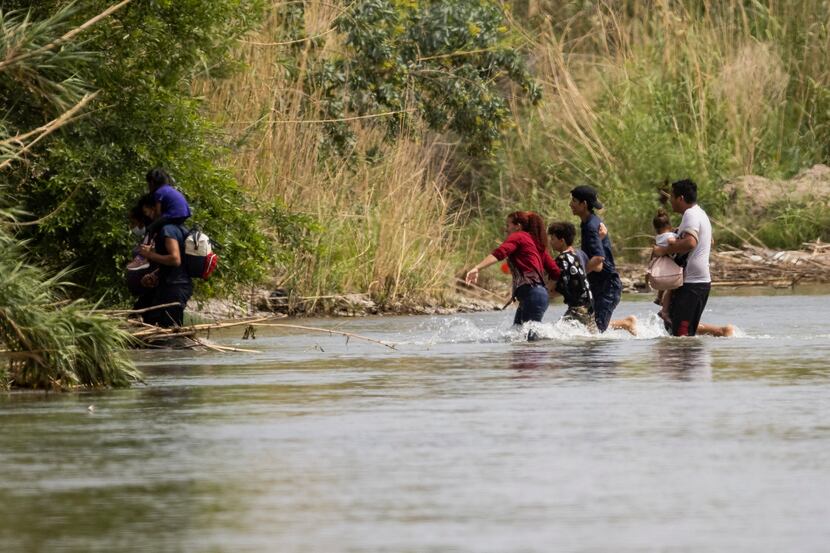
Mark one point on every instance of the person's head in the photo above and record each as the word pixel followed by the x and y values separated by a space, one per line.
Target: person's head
pixel 137 217
pixel 147 205
pixel 532 224
pixel 584 201
pixel 661 222
pixel 683 195
pixel 156 178
pixel 561 235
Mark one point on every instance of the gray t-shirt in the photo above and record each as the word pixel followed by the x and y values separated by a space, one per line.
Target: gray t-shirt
pixel 696 222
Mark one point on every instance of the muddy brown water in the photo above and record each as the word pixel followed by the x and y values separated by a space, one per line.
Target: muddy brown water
pixel 465 438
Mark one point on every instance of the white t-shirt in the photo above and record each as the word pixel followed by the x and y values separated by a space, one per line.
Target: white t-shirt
pixel 663 239
pixel 696 222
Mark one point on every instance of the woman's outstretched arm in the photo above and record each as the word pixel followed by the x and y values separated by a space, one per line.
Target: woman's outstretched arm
pixel 472 274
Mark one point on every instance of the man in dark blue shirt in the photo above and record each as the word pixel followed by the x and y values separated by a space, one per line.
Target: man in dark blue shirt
pixel 603 278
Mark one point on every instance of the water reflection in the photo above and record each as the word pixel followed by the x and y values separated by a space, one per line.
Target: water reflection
pixel 583 360
pixel 526 360
pixel 682 359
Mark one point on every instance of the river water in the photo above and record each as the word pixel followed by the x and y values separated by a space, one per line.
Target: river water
pixel 464 438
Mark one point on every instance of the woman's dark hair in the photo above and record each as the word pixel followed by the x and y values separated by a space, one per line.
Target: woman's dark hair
pixel 564 231
pixel 661 221
pixel 158 177
pixel 532 224
pixel 686 189
pixel 147 200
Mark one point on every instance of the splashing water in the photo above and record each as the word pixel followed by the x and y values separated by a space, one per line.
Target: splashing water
pixel 460 330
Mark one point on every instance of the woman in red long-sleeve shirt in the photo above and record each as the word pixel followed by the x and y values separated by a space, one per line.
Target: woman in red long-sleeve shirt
pixel 526 250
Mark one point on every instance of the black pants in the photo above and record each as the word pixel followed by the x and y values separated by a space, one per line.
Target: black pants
pixel 172 315
pixel 687 305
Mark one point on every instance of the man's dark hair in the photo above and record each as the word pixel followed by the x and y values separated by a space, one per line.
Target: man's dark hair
pixel 564 231
pixel 686 189
pixel 157 178
pixel 587 194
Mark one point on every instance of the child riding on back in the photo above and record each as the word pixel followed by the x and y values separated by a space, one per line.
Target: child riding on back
pixel 663 237
pixel 171 206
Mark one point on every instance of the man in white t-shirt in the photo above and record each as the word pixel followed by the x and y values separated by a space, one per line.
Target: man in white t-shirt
pixel 695 239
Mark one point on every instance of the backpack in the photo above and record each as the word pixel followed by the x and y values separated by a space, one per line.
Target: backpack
pixel 199 259
pixel 664 274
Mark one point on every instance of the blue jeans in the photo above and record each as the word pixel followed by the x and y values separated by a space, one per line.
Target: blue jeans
pixel 533 302
pixel 607 293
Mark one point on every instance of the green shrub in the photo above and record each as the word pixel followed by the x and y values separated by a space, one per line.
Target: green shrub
pixel 142 59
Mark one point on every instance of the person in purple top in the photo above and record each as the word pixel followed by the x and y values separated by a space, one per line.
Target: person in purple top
pixel 171 206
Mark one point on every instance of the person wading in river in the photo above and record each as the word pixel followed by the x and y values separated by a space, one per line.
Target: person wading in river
pixel 603 278
pixel 171 284
pixel 573 280
pixel 526 251
pixel 695 239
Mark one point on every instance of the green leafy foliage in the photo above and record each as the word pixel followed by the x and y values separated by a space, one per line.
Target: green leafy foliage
pixel 142 59
pixel 448 63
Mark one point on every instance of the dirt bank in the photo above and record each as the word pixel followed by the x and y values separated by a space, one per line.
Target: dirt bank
pixel 730 267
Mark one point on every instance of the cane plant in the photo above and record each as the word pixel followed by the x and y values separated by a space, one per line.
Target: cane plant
pixel 47 341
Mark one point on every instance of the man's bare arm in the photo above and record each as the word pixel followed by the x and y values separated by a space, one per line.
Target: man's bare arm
pixel 682 245
pixel 595 264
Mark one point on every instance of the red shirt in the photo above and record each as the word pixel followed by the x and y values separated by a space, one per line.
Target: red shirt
pixel 527 261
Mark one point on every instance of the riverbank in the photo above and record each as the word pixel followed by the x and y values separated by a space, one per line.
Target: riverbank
pixel 751 266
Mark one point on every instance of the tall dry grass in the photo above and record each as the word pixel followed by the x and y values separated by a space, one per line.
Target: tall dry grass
pixel 382 221
pixel 638 93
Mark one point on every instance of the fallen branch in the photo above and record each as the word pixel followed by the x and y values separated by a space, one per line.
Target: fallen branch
pixel 137 311
pixel 222 349
pixel 148 333
pixel 775 283
pixel 42 133
pixel 477 288
pixel 315 329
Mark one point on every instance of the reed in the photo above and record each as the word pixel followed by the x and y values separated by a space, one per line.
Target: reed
pixel 48 341
pixel 381 218
pixel 638 94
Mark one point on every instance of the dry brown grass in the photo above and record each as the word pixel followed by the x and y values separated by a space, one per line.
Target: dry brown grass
pixel 731 81
pixel 386 225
